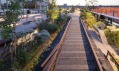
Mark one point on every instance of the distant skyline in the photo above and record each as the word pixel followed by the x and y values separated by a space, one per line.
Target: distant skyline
pixel 82 2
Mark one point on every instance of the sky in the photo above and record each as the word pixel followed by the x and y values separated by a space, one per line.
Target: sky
pixel 82 2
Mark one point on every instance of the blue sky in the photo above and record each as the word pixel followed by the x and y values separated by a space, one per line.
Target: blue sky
pixel 82 2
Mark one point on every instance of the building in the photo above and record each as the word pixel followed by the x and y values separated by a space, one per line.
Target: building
pixel 2 2
pixel 43 6
pixel 65 6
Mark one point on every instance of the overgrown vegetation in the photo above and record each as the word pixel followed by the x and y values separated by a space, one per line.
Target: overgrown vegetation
pixel 112 37
pixel 53 12
pixel 88 17
pixel 72 9
pixel 53 29
pixel 26 54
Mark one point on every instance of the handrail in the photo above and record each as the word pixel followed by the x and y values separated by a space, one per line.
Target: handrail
pixel 101 34
pixel 52 53
pixel 109 53
pixel 96 58
pixel 51 59
pixel 96 30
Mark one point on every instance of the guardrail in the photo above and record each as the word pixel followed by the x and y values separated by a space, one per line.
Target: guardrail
pixel 49 63
pixel 112 56
pixel 94 53
pixel 96 30
pixel 101 35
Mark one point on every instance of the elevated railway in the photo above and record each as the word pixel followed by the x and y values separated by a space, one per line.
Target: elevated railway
pixel 75 51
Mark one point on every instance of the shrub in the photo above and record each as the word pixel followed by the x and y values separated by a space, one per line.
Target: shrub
pixel 42 36
pixel 42 26
pixel 63 10
pixel 89 18
pixel 112 37
pixel 90 22
pixel 72 9
pixel 38 39
pixel 1 65
pixel 52 28
pixel 22 57
pixel 60 19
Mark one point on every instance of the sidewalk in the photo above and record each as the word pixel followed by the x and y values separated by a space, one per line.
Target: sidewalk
pixel 31 17
pixel 103 47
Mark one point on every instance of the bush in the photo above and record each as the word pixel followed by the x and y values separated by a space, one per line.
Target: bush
pixel 22 57
pixel 52 28
pixel 89 18
pixel 112 37
pixel 72 9
pixel 63 10
pixel 2 65
pixel 83 15
pixel 38 39
pixel 42 36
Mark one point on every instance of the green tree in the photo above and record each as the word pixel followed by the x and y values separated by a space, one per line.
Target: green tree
pixel 22 56
pixel 72 9
pixel 53 13
pixel 9 24
pixel 2 65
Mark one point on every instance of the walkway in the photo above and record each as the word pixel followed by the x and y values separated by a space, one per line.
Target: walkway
pixel 103 46
pixel 76 53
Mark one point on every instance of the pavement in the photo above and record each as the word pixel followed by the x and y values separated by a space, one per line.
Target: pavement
pixel 31 17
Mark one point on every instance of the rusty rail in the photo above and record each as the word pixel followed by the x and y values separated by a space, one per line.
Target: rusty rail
pixel 115 61
pixel 94 53
pixel 49 63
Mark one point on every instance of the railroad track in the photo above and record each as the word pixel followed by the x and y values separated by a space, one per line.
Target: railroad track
pixel 74 52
